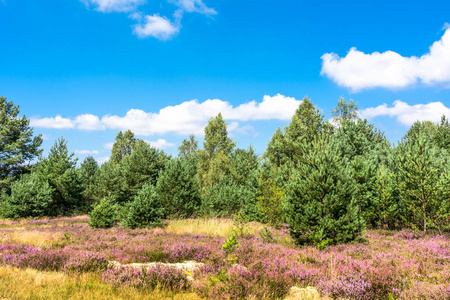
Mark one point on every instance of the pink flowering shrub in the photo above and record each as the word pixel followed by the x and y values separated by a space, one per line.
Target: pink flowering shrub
pixel 86 262
pixel 399 265
pixel 161 276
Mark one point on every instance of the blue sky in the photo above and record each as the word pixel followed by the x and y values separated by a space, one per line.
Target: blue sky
pixel 85 69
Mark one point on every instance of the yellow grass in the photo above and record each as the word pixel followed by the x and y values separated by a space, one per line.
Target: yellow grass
pixel 32 237
pixel 210 226
pixel 60 221
pixel 31 284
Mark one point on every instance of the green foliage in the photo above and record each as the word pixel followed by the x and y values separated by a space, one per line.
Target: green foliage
pixel 146 210
pixel 271 196
pixel 30 197
pixel 17 147
pixel 109 182
pixel 103 215
pixel 265 235
pixel 366 150
pixel 230 244
pixel 179 189
pixel 305 125
pixel 59 170
pixel 213 160
pixel 344 111
pixel 188 147
pixel 124 144
pixel 442 136
pixel 228 197
pixel 423 178
pixel 320 198
pixel 142 166
pixel 389 211
pixel 86 173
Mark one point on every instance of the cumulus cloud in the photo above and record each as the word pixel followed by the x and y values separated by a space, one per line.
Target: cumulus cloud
pixel 408 114
pixel 82 122
pixel 57 122
pixel 157 27
pixel 185 118
pixel 160 144
pixel 86 152
pixel 107 6
pixel 358 70
pixel 193 6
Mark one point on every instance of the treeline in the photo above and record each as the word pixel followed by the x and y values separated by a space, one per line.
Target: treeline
pixel 329 181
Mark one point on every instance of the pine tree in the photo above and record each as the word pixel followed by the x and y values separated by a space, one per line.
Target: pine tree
pixel 305 125
pixel 142 166
pixel 109 182
pixel 421 165
pixel 320 198
pixel 87 172
pixel 59 170
pixel 179 189
pixel 17 147
pixel 30 197
pixel 103 215
pixel 146 209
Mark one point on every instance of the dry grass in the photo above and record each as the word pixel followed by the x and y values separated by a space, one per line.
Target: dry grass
pixel 308 293
pixel 32 237
pixel 31 284
pixel 211 226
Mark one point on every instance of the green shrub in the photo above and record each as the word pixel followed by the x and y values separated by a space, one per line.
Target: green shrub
pixel 179 188
pixel 103 215
pixel 30 197
pixel 146 209
pixel 321 207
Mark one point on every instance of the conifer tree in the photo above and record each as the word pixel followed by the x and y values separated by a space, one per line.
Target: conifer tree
pixel 146 209
pixel 30 197
pixel 17 146
pixel 179 189
pixel 305 125
pixel 59 170
pixel 87 172
pixel 142 166
pixel 422 171
pixel 109 182
pixel 320 198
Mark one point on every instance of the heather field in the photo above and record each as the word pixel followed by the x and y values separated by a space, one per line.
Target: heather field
pixel 66 259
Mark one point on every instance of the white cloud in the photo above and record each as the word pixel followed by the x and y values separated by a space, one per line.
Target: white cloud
pixel 408 114
pixel 82 122
pixel 160 144
pixel 46 137
pixel 185 118
pixel 194 6
pixel 108 146
pixel 86 152
pixel 107 6
pixel 157 27
pixel 102 159
pixel 88 122
pixel 389 69
pixel 57 122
